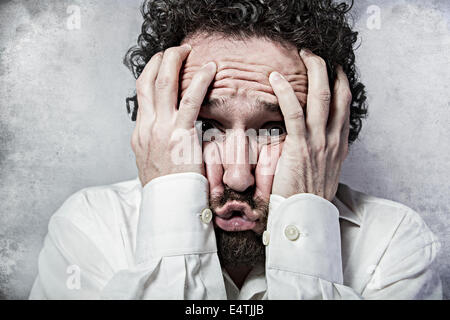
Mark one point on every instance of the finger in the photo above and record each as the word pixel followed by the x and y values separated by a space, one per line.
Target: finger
pixel 145 84
pixel 195 94
pixel 290 106
pixel 166 84
pixel 265 169
pixel 318 100
pixel 344 141
pixel 340 105
pixel 145 88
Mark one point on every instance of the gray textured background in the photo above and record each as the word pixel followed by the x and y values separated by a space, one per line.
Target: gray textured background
pixel 63 124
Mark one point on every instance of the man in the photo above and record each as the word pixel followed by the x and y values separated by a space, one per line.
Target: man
pixel 253 209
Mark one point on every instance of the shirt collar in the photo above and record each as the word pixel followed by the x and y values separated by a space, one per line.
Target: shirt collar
pixel 255 284
pixel 345 205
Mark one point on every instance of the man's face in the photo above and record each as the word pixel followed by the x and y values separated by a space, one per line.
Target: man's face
pixel 240 102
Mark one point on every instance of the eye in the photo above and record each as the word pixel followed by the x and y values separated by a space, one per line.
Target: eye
pixel 209 129
pixel 273 129
pixel 206 124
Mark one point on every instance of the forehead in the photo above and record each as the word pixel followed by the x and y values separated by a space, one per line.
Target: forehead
pixel 244 66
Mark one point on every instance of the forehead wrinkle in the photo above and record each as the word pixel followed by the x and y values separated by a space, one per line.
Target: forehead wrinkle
pixel 243 65
pixel 252 75
pixel 248 75
pixel 243 68
pixel 253 72
pixel 241 82
pixel 242 87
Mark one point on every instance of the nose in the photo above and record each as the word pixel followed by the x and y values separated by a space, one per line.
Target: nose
pixel 239 161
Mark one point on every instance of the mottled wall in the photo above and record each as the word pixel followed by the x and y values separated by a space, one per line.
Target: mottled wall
pixel 63 124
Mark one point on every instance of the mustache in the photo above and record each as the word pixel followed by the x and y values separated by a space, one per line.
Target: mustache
pixel 256 203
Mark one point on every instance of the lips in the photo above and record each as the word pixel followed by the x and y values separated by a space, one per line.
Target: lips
pixel 235 216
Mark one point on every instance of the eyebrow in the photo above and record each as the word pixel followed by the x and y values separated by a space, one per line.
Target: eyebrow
pixel 221 103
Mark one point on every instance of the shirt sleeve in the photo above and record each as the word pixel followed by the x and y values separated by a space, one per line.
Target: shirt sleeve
pixel 303 257
pixel 175 258
pixel 407 269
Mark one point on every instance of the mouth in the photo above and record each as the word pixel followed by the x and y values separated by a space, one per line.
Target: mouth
pixel 235 216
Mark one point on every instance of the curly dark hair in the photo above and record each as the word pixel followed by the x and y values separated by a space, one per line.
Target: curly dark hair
pixel 319 25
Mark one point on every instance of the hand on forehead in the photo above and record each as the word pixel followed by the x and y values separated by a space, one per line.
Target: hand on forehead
pixel 244 66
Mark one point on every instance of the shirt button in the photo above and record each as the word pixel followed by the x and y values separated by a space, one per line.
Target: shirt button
pixel 291 232
pixel 206 215
pixel 265 237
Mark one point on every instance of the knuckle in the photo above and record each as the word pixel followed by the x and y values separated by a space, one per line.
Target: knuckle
pixel 189 102
pixel 304 148
pixel 144 137
pixel 162 82
pixel 346 95
pixel 324 95
pixel 134 145
pixel 320 145
pixel 334 142
pixel 155 132
pixel 318 62
pixel 295 115
pixel 141 141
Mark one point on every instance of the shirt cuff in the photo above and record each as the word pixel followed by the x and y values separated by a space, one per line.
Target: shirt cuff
pixel 170 218
pixel 304 237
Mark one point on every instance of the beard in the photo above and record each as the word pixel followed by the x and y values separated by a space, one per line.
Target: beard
pixel 240 248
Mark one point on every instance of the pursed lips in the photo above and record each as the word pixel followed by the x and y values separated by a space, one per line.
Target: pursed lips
pixel 235 216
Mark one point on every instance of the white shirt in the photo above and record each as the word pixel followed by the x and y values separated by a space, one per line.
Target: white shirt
pixel 127 242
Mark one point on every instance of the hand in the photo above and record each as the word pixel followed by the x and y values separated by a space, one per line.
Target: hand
pixel 163 130
pixel 316 145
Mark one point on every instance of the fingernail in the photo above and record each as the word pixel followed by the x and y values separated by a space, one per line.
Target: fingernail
pixel 187 46
pixel 210 65
pixel 275 76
